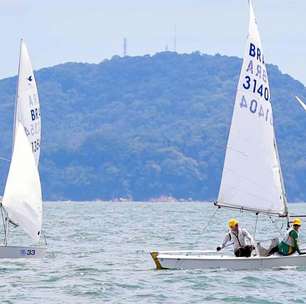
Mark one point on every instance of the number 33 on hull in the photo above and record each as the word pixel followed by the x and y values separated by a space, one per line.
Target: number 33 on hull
pixel 21 204
pixel 16 252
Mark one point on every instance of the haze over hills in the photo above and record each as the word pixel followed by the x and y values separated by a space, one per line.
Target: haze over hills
pixel 149 126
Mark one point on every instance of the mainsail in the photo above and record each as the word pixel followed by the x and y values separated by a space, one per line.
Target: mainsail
pixel 252 177
pixel 27 110
pixel 22 197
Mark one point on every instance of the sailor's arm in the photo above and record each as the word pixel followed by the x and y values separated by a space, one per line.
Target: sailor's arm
pixel 248 236
pixel 293 234
pixel 225 241
pixel 297 248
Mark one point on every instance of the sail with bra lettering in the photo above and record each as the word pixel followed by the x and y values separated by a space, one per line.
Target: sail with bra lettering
pixel 27 110
pixel 252 177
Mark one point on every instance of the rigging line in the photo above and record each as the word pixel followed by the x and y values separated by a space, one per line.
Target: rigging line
pixel 206 226
pixel 7 225
pixel 279 229
pixel 45 239
pixel 4 226
pixel 3 222
pixel 257 214
pixel 210 219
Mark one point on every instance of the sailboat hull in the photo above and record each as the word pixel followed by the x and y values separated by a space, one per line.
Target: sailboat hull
pixel 22 252
pixel 198 260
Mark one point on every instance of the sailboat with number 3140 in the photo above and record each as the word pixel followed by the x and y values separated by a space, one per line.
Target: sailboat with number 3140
pixel 252 178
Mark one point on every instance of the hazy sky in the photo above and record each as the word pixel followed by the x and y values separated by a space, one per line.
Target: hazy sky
pixel 57 31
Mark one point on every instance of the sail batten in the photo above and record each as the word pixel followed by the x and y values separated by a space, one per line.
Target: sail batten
pixel 251 177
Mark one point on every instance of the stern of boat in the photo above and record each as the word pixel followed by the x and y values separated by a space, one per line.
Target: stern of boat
pixel 22 252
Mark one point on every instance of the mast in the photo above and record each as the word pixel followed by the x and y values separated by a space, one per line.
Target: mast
pixel 284 195
pixel 17 94
pixel 4 214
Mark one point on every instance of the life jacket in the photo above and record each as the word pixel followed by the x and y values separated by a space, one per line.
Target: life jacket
pixel 288 240
pixel 238 238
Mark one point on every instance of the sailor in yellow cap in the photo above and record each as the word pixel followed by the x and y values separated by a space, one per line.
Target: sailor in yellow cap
pixel 289 244
pixel 238 236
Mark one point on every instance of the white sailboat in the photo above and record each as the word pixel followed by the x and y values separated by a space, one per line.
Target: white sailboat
pixel 252 178
pixel 22 200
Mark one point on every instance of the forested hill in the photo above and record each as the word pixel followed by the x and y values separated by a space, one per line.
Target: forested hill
pixel 150 126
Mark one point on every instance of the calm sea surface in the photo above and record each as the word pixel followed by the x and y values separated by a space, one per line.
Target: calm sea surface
pixel 98 252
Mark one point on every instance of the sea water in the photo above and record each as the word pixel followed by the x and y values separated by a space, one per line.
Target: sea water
pixel 98 252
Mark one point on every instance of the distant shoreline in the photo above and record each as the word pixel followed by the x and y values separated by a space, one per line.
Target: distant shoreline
pixel 161 200
pixel 154 200
pixel 120 200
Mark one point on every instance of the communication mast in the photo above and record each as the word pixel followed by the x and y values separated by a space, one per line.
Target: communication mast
pixel 174 40
pixel 124 47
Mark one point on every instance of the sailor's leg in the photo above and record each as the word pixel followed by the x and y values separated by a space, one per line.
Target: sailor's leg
pixel 248 250
pixel 239 252
pixel 291 250
pixel 273 250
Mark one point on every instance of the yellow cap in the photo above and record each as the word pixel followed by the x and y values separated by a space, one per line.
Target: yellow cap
pixel 297 222
pixel 232 223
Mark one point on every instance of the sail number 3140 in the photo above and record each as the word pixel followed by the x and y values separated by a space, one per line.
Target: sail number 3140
pixel 260 90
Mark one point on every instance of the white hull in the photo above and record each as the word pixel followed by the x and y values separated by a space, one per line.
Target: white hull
pixel 22 252
pixel 201 260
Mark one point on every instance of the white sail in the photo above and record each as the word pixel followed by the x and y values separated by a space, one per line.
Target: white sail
pixel 22 197
pixel 252 177
pixel 27 109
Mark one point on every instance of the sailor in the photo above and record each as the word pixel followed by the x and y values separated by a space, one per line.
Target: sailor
pixel 238 236
pixel 289 244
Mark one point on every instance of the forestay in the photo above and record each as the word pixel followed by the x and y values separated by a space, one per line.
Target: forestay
pixel 27 109
pixel 22 197
pixel 251 177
